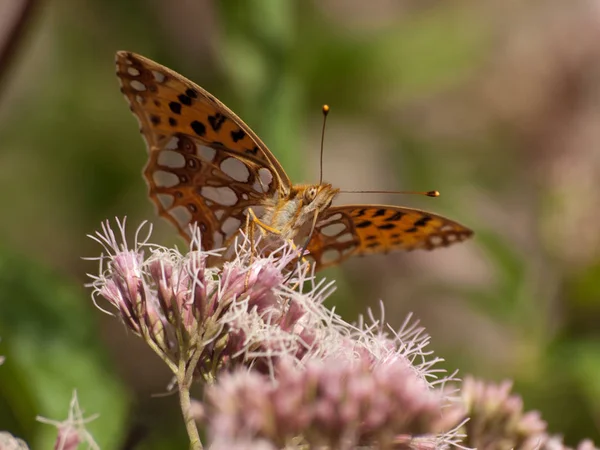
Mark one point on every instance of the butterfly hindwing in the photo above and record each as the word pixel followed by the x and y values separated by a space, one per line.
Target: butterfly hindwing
pixel 348 230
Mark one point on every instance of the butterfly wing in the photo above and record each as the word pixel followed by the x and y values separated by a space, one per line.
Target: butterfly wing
pixel 344 231
pixel 205 164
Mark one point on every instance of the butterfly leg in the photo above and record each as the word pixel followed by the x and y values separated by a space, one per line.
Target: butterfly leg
pixel 266 228
pixel 261 224
pixel 305 246
pixel 251 216
pixel 251 220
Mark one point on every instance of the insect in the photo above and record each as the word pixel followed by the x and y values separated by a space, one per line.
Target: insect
pixel 207 166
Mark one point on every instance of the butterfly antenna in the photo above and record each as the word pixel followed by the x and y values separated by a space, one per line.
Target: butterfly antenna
pixel 325 112
pixel 427 193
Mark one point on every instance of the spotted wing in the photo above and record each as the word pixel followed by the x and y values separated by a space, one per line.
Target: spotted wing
pixel 345 231
pixel 205 165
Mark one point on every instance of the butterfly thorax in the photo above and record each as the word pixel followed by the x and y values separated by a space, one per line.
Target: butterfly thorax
pixel 294 214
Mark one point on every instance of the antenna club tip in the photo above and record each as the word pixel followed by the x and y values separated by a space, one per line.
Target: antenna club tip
pixel 325 109
pixel 433 194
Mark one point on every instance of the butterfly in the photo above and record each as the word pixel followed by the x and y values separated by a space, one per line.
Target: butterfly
pixel 207 166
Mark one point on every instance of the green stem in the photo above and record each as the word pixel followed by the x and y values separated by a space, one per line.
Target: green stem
pixel 186 407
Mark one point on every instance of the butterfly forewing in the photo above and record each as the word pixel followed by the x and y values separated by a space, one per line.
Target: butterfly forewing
pixel 349 230
pixel 205 165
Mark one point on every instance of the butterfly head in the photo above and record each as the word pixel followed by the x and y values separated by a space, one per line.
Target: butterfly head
pixel 317 197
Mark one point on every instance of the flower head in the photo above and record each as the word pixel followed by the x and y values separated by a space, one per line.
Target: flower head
pixel 72 432
pixel 244 311
pixel 497 420
pixel 9 442
pixel 337 403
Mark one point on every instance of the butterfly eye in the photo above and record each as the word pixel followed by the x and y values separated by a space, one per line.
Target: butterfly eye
pixel 310 194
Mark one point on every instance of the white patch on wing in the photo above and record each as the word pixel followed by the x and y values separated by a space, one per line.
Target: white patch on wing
pixel 348 250
pixel 335 217
pixel 333 229
pixel 205 153
pixel 218 239
pixel 172 144
pixel 133 71
pixel 346 237
pixel 230 226
pixel 165 179
pixel 262 183
pixel 236 169
pixel 165 200
pixel 330 255
pixel 222 195
pixel 219 214
pixel 171 159
pixel 452 237
pixel 158 76
pixel 436 240
pixel 137 85
pixel 181 215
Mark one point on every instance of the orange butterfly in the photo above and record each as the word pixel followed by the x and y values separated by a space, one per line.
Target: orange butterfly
pixel 207 166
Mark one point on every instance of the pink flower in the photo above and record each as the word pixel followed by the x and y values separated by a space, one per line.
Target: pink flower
pixel 338 403
pixel 497 420
pixel 244 312
pixel 72 432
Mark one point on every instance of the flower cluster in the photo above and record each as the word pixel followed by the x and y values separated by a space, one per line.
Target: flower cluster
pixel 497 420
pixel 333 402
pixel 238 313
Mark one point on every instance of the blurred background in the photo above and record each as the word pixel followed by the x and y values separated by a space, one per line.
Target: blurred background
pixel 496 104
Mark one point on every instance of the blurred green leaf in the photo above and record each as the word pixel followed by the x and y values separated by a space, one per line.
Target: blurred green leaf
pixel 52 347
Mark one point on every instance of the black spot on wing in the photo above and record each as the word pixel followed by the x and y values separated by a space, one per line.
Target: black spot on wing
pixel 364 224
pixel 191 93
pixel 394 217
pixel 387 226
pixel 422 221
pixel 198 128
pixel 175 107
pixel 216 121
pixel 184 99
pixel 379 212
pixel 238 135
